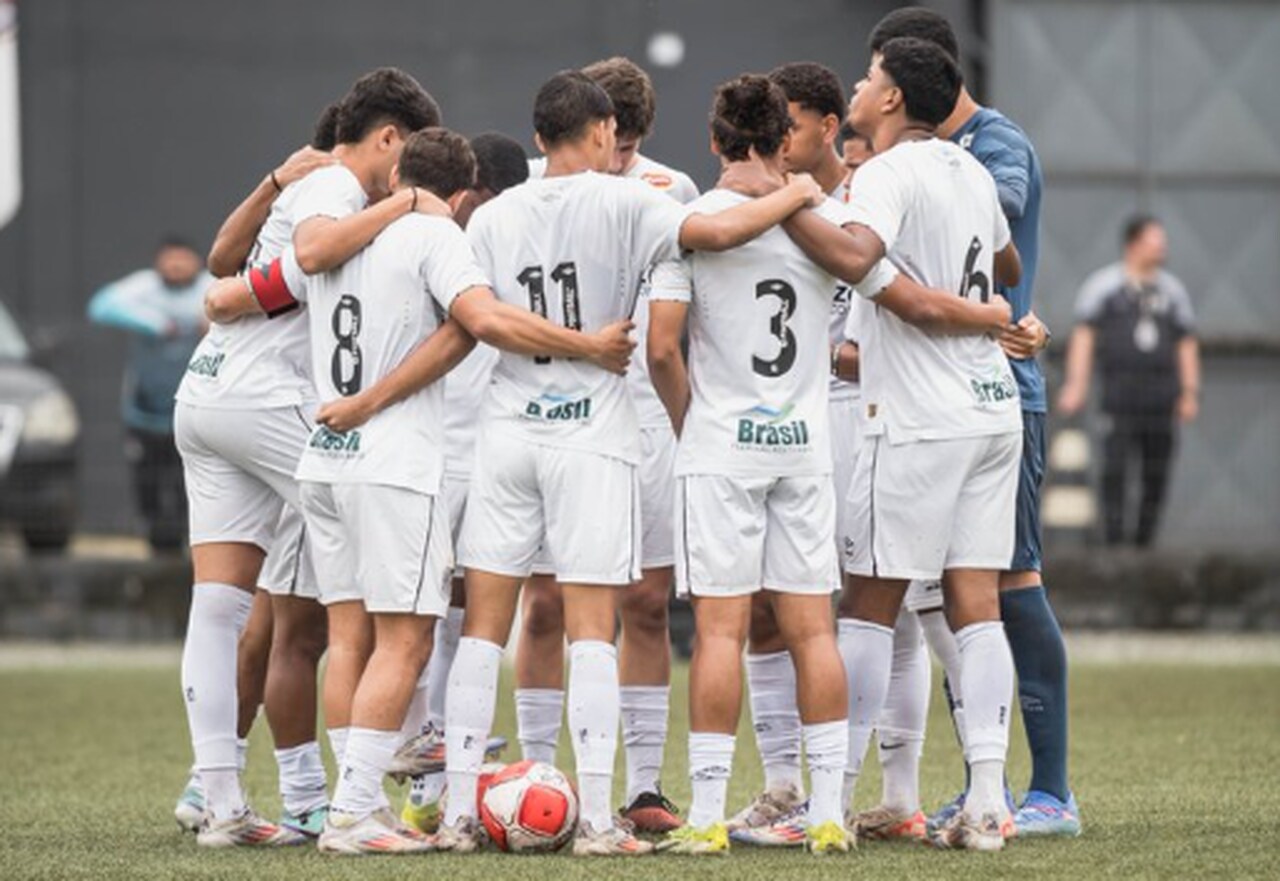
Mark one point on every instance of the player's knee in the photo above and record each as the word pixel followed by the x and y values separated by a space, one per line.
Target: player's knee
pixel 544 616
pixel 645 612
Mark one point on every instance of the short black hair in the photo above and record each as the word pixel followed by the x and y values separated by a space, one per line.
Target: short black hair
pixel 749 111
pixel 813 86
pixel 918 22
pixel 566 104
pixel 438 160
pixel 500 162
pixel 386 95
pixel 174 240
pixel 629 88
pixel 1135 226
pixel 929 79
pixel 325 135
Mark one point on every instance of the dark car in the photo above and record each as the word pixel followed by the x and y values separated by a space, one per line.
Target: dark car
pixel 39 434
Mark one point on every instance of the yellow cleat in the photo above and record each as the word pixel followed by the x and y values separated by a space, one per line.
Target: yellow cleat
pixel 708 840
pixel 828 838
pixel 423 817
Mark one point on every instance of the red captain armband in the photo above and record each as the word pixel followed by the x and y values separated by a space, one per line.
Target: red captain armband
pixel 269 289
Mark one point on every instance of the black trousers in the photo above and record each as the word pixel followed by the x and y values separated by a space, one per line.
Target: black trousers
pixel 1139 446
pixel 159 488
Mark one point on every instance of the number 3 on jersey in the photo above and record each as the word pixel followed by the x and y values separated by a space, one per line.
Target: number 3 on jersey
pixel 786 296
pixel 345 368
pixel 566 275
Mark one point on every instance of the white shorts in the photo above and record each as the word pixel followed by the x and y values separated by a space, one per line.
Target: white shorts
pixel 587 506
pixel 917 509
pixel 738 535
pixel 238 467
pixel 923 596
pixel 846 441
pixel 385 546
pixel 455 499
pixel 288 570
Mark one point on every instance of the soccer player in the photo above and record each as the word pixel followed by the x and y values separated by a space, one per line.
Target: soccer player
pixel 241 423
pixel 559 440
pixel 935 484
pixel 756 500
pixel 1039 652
pixel 366 320
pixel 644 657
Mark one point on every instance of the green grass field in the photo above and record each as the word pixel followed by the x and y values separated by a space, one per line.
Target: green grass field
pixel 1176 765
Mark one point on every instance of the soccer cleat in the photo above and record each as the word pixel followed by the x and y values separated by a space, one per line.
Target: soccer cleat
pixel 828 838
pixel 309 823
pixel 466 836
pixel 189 811
pixel 246 830
pixel 767 808
pixel 1042 814
pixel 962 833
pixel 378 832
pixel 709 840
pixel 787 831
pixel 885 824
pixel 424 754
pixel 422 815
pixel 652 812
pixel 951 808
pixel 616 841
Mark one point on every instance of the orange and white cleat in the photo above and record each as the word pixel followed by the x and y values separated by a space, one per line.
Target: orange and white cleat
pixel 379 832
pixel 964 833
pixel 886 824
pixel 616 841
pixel 246 830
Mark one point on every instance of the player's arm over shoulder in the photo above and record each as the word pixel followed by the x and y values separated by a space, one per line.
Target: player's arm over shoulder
pixel 1007 155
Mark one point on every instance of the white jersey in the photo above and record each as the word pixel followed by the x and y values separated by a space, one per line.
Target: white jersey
pixel 841 307
pixel 464 391
pixel 936 210
pixel 366 317
pixel 758 353
pixel 255 363
pixel 572 248
pixel 680 187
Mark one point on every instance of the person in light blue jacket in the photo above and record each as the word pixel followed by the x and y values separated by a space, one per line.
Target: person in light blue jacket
pixel 162 308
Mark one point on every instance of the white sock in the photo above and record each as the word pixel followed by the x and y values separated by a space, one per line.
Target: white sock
pixel 826 746
pixel 242 753
pixel 710 764
pixel 771 689
pixel 469 705
pixel 448 632
pixel 218 615
pixel 902 722
pixel 593 721
pixel 538 712
pixel 415 717
pixel 302 780
pixel 867 651
pixel 986 682
pixel 644 735
pixel 942 642
pixel 338 744
pixel 368 756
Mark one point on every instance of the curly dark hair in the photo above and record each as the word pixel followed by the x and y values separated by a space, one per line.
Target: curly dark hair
pixel 929 79
pixel 749 111
pixel 385 95
pixel 813 86
pixel 566 104
pixel 500 162
pixel 438 160
pixel 918 22
pixel 631 91
pixel 325 134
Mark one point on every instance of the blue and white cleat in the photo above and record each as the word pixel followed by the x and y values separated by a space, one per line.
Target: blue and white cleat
pixel 309 823
pixel 189 810
pixel 1042 814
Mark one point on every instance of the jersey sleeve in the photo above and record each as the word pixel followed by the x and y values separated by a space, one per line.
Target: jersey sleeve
pixel 878 200
pixel 131 304
pixel 332 191
pixel 1007 157
pixel 294 278
pixel 655 224
pixel 447 264
pixel 672 280
pixel 1184 317
pixel 1093 295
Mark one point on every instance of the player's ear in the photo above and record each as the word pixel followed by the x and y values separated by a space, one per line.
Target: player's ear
pixel 891 101
pixel 715 148
pixel 830 128
pixel 537 142
pixel 388 135
pixel 395 177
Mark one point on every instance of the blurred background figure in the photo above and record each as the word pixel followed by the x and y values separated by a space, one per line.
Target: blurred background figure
pixel 163 308
pixel 854 148
pixel 1135 320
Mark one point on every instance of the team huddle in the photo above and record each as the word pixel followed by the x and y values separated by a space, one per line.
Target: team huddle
pixel 446 384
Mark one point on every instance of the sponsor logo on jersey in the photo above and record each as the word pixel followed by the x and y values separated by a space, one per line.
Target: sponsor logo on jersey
pixel 994 389
pixel 769 428
pixel 558 408
pixel 207 365
pixel 658 180
pixel 334 442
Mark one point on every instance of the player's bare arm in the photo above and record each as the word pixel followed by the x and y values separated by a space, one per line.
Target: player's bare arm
pixel 1008 266
pixel 234 241
pixel 325 243
pixel 939 312
pixel 666 360
pixel 846 362
pixel 228 299
pixel 742 223
pixel 1079 367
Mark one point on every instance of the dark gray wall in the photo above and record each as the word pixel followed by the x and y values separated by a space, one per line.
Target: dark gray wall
pixel 145 116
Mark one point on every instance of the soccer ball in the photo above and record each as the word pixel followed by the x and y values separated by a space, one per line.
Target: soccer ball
pixel 528 807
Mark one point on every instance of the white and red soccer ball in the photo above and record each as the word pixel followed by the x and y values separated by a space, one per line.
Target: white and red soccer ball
pixel 529 806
